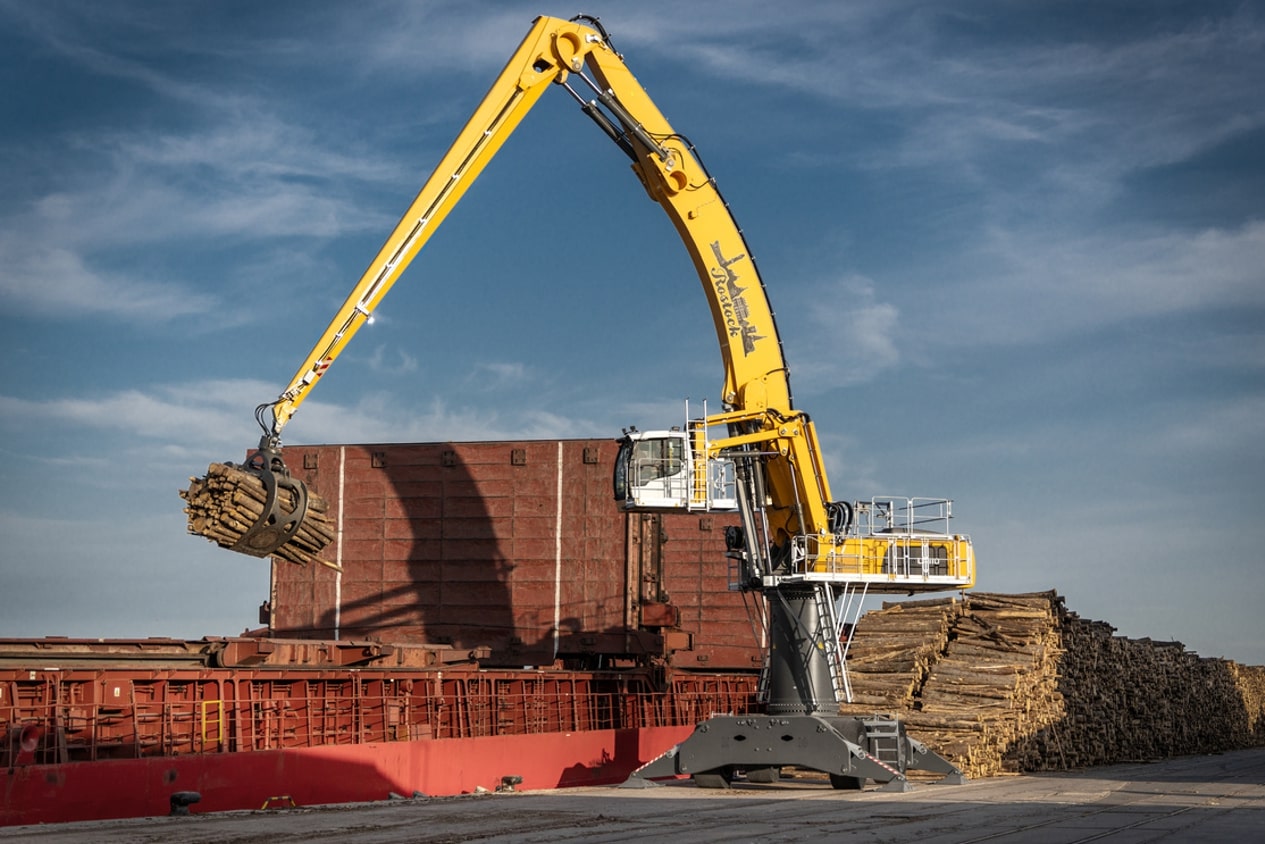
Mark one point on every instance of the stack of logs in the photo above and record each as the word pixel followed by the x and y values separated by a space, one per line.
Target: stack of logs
pixel 228 501
pixel 1008 683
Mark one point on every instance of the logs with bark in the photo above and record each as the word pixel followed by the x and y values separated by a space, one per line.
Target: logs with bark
pixel 1010 683
pixel 227 502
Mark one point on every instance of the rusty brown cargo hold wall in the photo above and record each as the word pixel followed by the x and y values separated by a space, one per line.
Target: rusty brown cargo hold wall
pixel 515 550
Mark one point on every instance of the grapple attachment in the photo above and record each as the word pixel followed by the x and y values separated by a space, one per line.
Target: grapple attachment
pixel 284 509
pixel 257 508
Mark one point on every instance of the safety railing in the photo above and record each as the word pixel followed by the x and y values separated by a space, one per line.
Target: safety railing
pixel 889 515
pixel 50 718
pixel 903 541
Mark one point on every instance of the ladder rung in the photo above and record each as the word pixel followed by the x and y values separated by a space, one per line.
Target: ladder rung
pixel 827 634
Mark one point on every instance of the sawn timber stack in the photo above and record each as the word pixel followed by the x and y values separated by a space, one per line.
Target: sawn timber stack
pixel 225 504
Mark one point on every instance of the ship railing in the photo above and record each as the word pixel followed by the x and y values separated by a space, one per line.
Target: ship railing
pixel 53 720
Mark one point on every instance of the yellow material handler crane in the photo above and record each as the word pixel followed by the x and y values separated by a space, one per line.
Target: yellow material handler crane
pixel 810 557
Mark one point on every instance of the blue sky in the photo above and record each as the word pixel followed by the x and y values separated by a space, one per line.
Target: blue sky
pixel 1017 252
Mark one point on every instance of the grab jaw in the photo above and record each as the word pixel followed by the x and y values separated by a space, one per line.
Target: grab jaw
pixel 278 523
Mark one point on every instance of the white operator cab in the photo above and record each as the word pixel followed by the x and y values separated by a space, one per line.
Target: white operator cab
pixel 661 471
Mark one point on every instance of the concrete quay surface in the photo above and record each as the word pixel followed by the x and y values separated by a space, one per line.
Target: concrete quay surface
pixel 1215 798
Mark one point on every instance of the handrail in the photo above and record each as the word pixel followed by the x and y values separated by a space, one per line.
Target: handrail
pixel 326 712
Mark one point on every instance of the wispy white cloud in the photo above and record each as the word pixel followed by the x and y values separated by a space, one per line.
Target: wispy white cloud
pixel 70 35
pixel 208 412
pixel 242 180
pixel 439 37
pixel 247 144
pixel 382 417
pixel 497 375
pixel 397 362
pixel 849 336
pixel 959 99
pixel 227 170
pixel 48 280
pixel 197 419
pixel 1024 286
pixel 1167 432
pixel 54 250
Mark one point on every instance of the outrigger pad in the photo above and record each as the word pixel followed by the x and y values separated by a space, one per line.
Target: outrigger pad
pixel 897 786
pixel 635 781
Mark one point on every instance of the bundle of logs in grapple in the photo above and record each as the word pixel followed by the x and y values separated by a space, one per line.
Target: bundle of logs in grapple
pixel 229 501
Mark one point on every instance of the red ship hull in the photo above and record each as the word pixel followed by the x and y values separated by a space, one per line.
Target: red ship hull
pixel 121 788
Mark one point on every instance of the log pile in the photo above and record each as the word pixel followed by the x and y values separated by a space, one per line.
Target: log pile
pixel 1011 683
pixel 1251 682
pixel 892 651
pixel 227 502
pixel 1136 700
